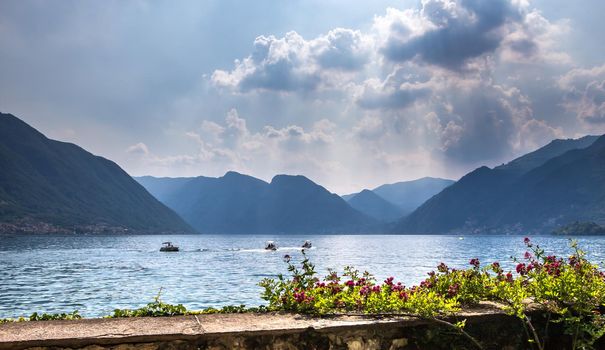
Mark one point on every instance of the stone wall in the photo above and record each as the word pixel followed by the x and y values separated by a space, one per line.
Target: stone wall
pixel 492 328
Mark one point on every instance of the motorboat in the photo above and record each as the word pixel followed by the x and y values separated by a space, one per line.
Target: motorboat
pixel 270 245
pixel 307 245
pixel 169 247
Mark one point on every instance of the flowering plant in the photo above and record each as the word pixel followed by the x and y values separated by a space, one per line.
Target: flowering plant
pixel 571 291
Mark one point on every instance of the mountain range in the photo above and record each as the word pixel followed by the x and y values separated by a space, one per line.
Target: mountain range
pixel 237 203
pixel 375 206
pixel 52 186
pixel 393 201
pixel 561 182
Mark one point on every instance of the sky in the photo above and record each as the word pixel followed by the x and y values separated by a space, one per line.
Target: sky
pixel 350 93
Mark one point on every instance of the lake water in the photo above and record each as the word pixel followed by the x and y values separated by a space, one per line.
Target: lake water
pixel 95 274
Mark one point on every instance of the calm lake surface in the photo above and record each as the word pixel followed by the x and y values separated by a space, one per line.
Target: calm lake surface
pixel 95 274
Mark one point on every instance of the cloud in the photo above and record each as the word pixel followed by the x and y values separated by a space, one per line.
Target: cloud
pixel 431 90
pixel 447 33
pixel 292 63
pixel 139 148
pixel 478 123
pixel 585 93
pixel 535 39
pixel 537 133
pixel 453 34
pixel 342 49
pixel 232 145
pixel 397 91
pixel 369 127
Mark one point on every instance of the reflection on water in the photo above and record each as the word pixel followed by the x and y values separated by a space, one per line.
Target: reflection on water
pixel 95 274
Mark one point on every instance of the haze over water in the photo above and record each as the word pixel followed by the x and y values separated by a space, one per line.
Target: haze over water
pixel 95 274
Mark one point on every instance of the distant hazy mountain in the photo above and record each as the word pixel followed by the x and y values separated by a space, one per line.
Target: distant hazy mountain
pixel 162 187
pixel 52 186
pixel 409 195
pixel 555 185
pixel 237 203
pixel 375 206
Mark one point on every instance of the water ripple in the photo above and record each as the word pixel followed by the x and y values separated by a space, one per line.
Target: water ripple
pixel 95 274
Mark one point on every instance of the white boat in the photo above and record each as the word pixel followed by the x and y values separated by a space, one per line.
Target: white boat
pixel 270 245
pixel 169 247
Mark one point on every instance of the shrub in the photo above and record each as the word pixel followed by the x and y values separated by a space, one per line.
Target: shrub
pixel 570 290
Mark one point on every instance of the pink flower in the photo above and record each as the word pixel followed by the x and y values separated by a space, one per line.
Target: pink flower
pixel 526 240
pixel 474 262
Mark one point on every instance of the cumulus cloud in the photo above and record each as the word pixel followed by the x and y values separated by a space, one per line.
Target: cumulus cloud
pixel 535 39
pixel 447 33
pixel 585 93
pixel 423 81
pixel 397 91
pixel 454 34
pixel 232 145
pixel 452 82
pixel 292 63
pixel 342 49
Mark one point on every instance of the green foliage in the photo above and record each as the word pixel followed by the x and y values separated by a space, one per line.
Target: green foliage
pixel 74 315
pixel 571 291
pixel 51 317
pixel 157 308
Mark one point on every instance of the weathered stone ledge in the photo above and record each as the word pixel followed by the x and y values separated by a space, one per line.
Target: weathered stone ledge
pixel 261 331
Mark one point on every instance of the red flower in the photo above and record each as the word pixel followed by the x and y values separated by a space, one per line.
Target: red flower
pixel 496 267
pixel 426 284
pixel 474 262
pixel 442 268
pixel 453 290
pixel 509 277
pixel 361 281
pixel 521 269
